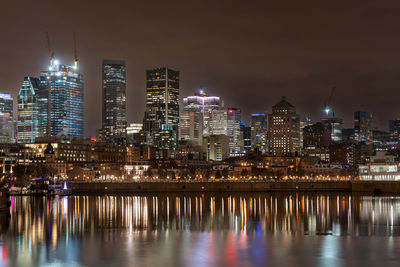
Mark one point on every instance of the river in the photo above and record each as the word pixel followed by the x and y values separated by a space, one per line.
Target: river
pixel 263 229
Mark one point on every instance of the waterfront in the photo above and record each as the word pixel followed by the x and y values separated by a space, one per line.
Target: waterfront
pixel 286 229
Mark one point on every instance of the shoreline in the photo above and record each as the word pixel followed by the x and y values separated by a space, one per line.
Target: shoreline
pixel 146 187
pixel 375 187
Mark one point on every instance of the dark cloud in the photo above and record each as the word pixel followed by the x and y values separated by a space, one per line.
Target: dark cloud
pixel 248 52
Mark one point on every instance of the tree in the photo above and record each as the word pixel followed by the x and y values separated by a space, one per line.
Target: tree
pixel 208 174
pixel 161 173
pixel 21 173
pixel 149 173
pixel 300 171
pixel 225 172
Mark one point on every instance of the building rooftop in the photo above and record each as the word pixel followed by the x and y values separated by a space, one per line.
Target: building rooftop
pixel 283 103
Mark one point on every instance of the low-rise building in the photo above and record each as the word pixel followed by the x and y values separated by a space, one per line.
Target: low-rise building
pixel 381 167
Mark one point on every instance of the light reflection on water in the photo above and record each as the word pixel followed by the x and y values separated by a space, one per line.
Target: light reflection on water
pixel 179 230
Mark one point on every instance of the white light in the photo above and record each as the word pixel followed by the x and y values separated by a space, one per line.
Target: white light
pixel 56 62
pixel 327 110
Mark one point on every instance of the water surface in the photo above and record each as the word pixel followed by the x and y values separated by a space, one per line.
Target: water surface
pixel 278 229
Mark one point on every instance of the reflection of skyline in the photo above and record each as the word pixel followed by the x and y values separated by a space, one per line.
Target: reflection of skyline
pixel 44 229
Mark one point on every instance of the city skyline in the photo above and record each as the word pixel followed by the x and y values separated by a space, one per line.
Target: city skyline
pixel 259 65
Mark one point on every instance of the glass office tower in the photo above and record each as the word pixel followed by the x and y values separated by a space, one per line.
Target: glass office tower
pixel 259 127
pixel 6 118
pixel 362 126
pixel 162 107
pixel 114 101
pixel 28 111
pixel 60 101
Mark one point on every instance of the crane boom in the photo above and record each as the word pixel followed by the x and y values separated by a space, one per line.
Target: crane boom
pixel 327 108
pixel 75 52
pixel 51 51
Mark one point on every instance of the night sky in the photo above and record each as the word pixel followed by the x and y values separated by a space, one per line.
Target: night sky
pixel 248 52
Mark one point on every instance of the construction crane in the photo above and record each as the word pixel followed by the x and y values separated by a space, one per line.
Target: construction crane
pixel 75 54
pixel 51 51
pixel 328 108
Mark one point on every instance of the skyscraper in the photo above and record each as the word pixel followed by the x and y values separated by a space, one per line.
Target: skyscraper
pixel 334 126
pixel 283 129
pixel 203 104
pixel 226 121
pixel 394 129
pixel 114 101
pixel 259 129
pixel 246 133
pixel 28 111
pixel 191 127
pixel 362 126
pixel 61 101
pixel 316 140
pixel 162 107
pixel 6 118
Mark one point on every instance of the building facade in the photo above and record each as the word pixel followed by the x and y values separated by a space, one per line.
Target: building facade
pixel 191 127
pixel 114 101
pixel 203 104
pixel 259 127
pixel 216 147
pixel 6 119
pixel 283 129
pixel 362 126
pixel 60 101
pixel 162 107
pixel 246 133
pixel 226 121
pixel 394 129
pixel 28 111
pixel 334 126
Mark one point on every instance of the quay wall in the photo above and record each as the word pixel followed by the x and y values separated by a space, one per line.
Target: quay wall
pixel 215 186
pixel 234 186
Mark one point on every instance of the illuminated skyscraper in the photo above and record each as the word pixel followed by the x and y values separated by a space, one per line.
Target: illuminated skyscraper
pixel 60 101
pixel 6 118
pixel 226 121
pixel 203 104
pixel 259 129
pixel 162 107
pixel 28 111
pixel 114 101
pixel 362 126
pixel 191 127
pixel 283 129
